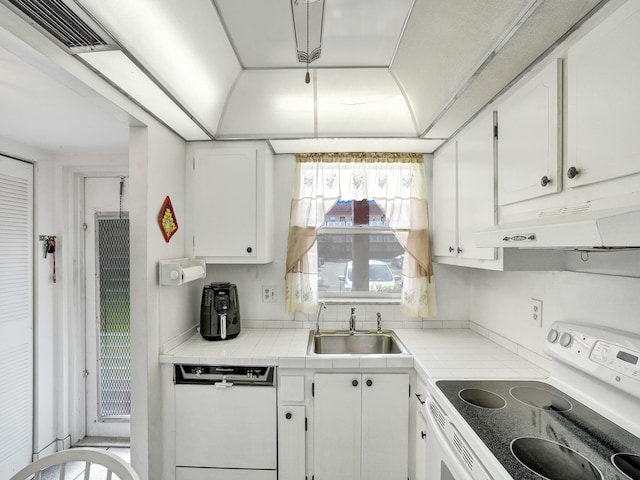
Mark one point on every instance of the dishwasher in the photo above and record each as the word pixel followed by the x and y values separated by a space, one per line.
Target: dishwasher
pixel 226 422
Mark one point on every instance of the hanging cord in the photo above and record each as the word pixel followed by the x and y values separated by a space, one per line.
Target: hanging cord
pixel 121 194
pixel 307 77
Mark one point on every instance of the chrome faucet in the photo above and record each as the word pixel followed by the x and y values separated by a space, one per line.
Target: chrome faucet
pixel 320 307
pixel 352 321
pixel 379 320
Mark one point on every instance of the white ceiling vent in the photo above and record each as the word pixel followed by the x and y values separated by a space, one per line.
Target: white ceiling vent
pixel 66 22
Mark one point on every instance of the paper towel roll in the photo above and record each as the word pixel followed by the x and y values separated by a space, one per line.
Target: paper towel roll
pixel 192 273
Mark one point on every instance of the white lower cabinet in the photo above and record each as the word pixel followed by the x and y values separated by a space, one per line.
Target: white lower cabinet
pixel 421 431
pixel 291 442
pixel 421 446
pixel 360 426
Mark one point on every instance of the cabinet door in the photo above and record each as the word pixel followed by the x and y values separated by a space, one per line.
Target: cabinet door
pixel 421 446
pixel 291 443
pixel 337 426
pixel 385 426
pixel 476 187
pixel 529 144
pixel 603 98
pixel 225 210
pixel 445 193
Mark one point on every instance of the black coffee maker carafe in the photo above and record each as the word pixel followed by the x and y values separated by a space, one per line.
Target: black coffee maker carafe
pixel 219 311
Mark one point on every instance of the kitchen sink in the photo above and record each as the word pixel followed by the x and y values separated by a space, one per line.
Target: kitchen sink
pixel 373 342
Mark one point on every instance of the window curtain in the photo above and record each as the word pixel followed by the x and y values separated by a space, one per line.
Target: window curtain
pixel 397 183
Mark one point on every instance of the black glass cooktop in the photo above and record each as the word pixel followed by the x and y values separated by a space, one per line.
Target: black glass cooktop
pixel 537 432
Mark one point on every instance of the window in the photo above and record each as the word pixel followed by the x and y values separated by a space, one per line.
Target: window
pixel 380 249
pixel 363 260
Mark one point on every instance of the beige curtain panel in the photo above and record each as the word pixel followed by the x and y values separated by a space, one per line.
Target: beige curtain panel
pixel 397 182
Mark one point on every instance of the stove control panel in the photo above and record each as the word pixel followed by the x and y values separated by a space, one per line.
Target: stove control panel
pixel 616 358
pixel 610 355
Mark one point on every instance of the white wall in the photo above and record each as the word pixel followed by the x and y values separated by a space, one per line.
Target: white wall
pixel 156 167
pixel 500 303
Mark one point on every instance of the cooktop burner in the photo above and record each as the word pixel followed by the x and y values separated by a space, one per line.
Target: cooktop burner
pixel 539 398
pixel 627 463
pixel 552 460
pixel 482 398
pixel 541 429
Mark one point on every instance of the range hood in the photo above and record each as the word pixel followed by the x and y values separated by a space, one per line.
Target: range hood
pixel 594 230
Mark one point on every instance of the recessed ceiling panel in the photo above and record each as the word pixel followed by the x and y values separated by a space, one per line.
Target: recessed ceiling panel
pixel 182 44
pixel 356 33
pixel 361 102
pixel 269 104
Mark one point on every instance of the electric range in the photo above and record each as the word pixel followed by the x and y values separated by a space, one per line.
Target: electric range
pixel 581 423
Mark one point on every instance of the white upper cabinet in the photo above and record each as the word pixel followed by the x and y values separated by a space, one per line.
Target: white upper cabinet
pixel 529 147
pixel 464 193
pixel 233 205
pixel 445 202
pixel 604 100
pixel 476 187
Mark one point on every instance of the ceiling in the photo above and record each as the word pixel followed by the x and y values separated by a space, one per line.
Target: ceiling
pixel 393 74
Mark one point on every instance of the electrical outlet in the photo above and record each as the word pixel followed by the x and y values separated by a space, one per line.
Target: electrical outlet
pixel 535 313
pixel 269 293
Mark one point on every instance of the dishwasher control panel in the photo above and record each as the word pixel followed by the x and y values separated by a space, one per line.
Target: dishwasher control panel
pixel 228 374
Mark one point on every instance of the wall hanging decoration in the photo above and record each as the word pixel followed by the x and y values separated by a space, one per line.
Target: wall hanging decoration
pixel 167 219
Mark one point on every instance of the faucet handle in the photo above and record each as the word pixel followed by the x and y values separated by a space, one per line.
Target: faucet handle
pixel 353 310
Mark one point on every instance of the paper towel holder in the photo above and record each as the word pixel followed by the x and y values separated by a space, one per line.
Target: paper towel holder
pixel 178 271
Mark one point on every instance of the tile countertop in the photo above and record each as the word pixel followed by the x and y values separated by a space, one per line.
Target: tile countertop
pixel 436 353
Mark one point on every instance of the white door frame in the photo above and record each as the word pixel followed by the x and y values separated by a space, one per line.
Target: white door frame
pixel 72 405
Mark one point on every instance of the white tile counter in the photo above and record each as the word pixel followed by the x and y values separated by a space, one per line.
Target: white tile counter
pixel 436 353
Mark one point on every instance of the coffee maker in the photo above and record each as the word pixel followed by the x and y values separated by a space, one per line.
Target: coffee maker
pixel 219 311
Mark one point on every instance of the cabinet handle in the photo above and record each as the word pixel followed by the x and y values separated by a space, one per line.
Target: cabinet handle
pixel 369 382
pixel 544 181
pixel 354 383
pixel 423 434
pixel 288 415
pixel 451 249
pixel 572 172
pixel 422 402
pixel 527 237
pixel 249 249
pixel 459 250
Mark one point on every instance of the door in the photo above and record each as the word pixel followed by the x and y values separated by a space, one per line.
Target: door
pixel 476 187
pixel 385 426
pixel 445 202
pixel 226 203
pixel 603 98
pixel 337 426
pixel 107 348
pixel 16 315
pixel 530 139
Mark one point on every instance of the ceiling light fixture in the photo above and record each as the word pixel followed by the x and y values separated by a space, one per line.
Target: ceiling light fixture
pixel 307 25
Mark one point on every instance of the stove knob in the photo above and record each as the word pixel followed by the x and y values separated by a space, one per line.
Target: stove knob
pixel 565 339
pixel 552 336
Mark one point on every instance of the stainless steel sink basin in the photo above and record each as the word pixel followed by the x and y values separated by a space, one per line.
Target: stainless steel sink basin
pixel 360 343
